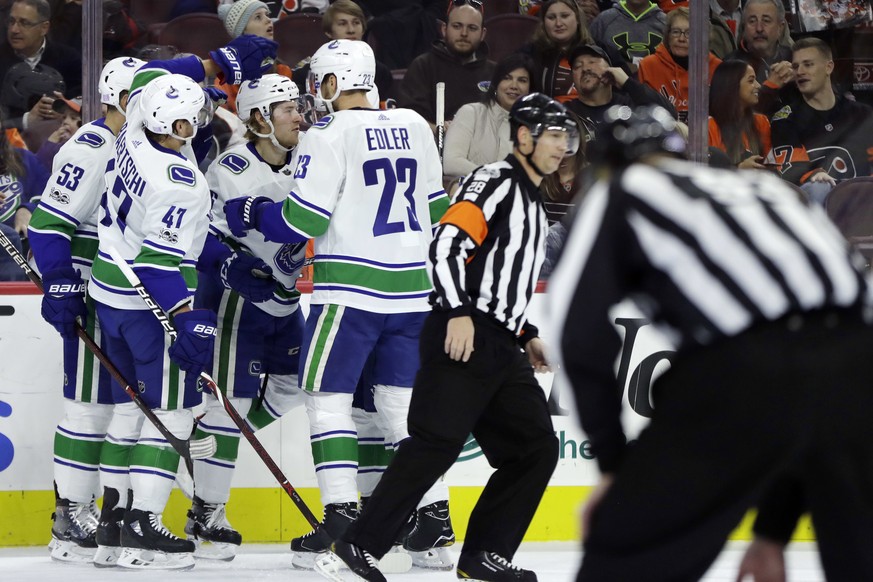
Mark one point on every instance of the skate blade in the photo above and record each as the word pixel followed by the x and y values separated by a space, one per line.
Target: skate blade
pixel 328 565
pixel 69 552
pixel 106 556
pixel 396 561
pixel 214 550
pixel 137 559
pixel 306 560
pixel 433 559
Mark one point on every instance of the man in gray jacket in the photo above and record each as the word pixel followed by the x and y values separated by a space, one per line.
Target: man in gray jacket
pixel 633 27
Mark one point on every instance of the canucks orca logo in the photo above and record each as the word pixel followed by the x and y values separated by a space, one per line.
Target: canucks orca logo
pixel 335 44
pixel 234 162
pixel 91 139
pixel 172 93
pixel 182 175
pixel 129 62
pixel 471 450
pixel 290 258
pixel 484 86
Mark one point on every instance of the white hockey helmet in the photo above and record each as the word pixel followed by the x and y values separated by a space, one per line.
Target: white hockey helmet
pixel 169 98
pixel 115 78
pixel 261 93
pixel 352 63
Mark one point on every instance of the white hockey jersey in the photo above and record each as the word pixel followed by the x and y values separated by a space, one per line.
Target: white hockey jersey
pixel 241 171
pixel 156 214
pixel 69 204
pixel 369 190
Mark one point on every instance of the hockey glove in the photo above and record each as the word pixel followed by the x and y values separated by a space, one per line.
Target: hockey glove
pixel 64 300
pixel 249 276
pixel 244 58
pixel 192 349
pixel 244 213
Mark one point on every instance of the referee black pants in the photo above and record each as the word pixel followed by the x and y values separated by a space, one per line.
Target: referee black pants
pixel 794 393
pixel 495 397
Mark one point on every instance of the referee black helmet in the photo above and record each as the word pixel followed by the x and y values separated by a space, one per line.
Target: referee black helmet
pixel 627 134
pixel 540 113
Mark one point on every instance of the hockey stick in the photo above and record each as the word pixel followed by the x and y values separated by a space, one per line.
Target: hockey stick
pixel 441 117
pixel 205 378
pixel 188 449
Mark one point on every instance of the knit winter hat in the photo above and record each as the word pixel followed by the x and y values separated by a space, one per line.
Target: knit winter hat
pixel 237 15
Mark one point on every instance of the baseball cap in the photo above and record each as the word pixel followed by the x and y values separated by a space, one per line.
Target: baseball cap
pixel 589 49
pixel 61 103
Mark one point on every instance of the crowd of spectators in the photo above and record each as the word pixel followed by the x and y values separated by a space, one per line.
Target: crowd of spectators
pixel 765 67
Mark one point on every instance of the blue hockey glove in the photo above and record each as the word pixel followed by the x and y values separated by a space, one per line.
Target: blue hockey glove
pixel 64 300
pixel 216 95
pixel 244 213
pixel 193 347
pixel 249 276
pixel 245 58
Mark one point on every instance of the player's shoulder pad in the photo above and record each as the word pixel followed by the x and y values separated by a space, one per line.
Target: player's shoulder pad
pixel 91 138
pixel 323 122
pixel 180 174
pixel 783 113
pixel 235 163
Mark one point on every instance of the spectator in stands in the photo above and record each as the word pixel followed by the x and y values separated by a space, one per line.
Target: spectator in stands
pixel 70 111
pixel 401 30
pixel 460 61
pixel 722 36
pixel 634 28
pixel 600 85
pixel 765 44
pixel 728 11
pixel 26 31
pixel 591 8
pixel 247 17
pixel 734 127
pixel 562 28
pixel 22 178
pixel 479 133
pixel 560 188
pixel 345 19
pixel 822 137
pixel 666 71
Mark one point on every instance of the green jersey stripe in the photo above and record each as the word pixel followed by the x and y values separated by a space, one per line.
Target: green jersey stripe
pixel 79 451
pixel 371 277
pixel 164 458
pixel 303 219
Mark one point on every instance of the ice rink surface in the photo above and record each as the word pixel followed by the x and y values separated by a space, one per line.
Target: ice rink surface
pixel 552 561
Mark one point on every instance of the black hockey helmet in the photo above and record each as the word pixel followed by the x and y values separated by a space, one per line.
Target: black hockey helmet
pixel 627 134
pixel 540 113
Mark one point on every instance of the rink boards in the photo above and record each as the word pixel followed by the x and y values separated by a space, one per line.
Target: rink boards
pixel 30 406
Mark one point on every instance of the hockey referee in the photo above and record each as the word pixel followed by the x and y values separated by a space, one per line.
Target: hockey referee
pixel 478 355
pixel 766 304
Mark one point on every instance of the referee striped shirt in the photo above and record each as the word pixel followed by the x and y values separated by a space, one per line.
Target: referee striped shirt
pixel 490 246
pixel 705 253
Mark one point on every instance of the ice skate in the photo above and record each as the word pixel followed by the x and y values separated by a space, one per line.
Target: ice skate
pixel 213 536
pixel 491 567
pixel 73 531
pixel 362 564
pixel 433 559
pixel 307 548
pixel 433 528
pixel 148 545
pixel 109 530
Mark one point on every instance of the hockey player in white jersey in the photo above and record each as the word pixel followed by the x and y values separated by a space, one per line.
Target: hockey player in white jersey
pixel 368 189
pixel 63 237
pixel 156 215
pixel 251 283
